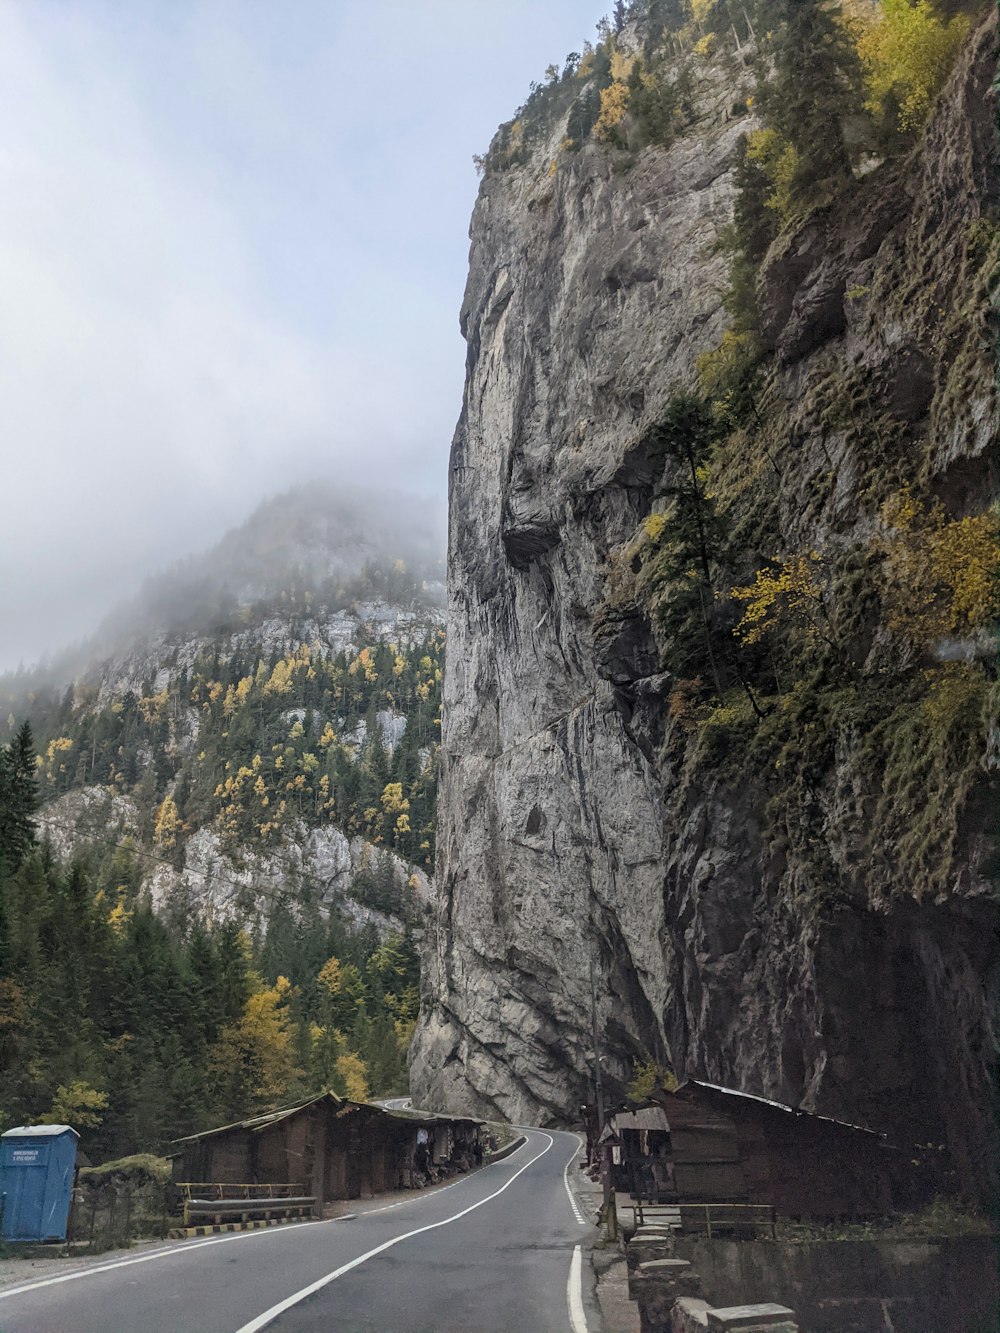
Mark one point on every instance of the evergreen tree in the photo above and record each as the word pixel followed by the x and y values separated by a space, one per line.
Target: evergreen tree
pixel 18 796
pixel 816 85
pixel 688 537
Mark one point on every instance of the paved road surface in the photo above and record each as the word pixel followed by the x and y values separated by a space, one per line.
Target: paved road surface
pixel 497 1251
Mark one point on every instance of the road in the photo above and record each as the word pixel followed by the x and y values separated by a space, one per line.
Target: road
pixel 501 1250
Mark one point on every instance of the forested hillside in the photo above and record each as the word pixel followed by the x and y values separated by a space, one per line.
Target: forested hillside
pixel 211 869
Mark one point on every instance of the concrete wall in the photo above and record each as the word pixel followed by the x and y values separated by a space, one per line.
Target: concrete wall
pixel 940 1286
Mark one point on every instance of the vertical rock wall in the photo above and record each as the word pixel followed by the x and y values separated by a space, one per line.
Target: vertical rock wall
pixel 574 827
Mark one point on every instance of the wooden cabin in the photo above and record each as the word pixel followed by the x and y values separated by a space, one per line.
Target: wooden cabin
pixel 718 1145
pixel 334 1148
pixel 640 1154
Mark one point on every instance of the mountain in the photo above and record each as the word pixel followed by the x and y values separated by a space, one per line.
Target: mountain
pixel 258 702
pixel 720 689
pixel 236 830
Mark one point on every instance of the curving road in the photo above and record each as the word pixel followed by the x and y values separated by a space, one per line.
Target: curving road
pixel 497 1251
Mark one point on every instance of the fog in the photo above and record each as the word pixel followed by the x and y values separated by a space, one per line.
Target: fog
pixel 233 240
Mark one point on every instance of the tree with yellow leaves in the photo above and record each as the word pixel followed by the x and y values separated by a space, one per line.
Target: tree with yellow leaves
pixel 907 49
pixel 614 108
pixel 153 707
pixel 354 1072
pixel 779 161
pixel 166 823
pixel 252 1063
pixel 76 1104
pixel 788 592
pixel 942 576
pixel 342 993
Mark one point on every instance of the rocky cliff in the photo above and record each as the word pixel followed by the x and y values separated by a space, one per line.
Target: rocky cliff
pixel 260 725
pixel 790 893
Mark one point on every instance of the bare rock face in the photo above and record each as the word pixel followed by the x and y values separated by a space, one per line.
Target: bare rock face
pixel 209 883
pixel 590 294
pixel 575 829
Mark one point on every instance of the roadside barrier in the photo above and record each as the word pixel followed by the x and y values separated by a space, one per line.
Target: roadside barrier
pixel 218 1203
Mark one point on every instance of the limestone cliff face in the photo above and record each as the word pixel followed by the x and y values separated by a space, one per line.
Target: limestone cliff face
pixel 578 824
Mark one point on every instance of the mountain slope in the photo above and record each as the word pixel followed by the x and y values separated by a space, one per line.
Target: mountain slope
pixel 269 716
pixel 238 815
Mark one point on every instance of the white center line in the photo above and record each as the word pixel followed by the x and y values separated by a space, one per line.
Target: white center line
pixel 270 1315
pixel 574 1293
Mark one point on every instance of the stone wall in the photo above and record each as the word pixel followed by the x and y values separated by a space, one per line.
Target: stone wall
pixel 913 1286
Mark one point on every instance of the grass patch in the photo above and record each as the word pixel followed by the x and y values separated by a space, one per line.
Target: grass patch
pixel 157 1168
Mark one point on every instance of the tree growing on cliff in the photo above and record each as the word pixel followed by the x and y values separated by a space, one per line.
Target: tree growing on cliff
pixel 942 576
pixel 788 593
pixel 815 88
pixel 907 50
pixel 687 538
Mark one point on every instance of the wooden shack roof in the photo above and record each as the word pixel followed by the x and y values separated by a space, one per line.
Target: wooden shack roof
pixel 257 1123
pixel 646 1117
pixel 730 1098
pixel 732 1101
pixel 341 1105
pixel 425 1119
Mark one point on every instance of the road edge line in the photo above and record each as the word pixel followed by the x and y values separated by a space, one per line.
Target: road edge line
pixel 270 1315
pixel 573 1202
pixel 574 1292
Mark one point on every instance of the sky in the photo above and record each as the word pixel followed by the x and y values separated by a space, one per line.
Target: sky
pixel 233 246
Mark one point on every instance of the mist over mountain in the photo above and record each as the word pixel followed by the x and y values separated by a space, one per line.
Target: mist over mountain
pixel 313 549
pixel 248 750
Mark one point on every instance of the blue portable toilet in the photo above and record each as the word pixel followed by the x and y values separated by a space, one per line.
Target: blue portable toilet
pixel 37 1166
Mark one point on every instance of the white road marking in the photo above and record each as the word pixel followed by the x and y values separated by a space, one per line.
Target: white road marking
pixel 270 1315
pixel 574 1293
pixel 569 1190
pixel 189 1247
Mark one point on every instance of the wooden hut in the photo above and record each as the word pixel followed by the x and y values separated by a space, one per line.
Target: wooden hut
pixel 640 1153
pixel 333 1148
pixel 726 1146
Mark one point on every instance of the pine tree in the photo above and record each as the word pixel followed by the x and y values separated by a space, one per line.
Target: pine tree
pixel 18 796
pixel 688 539
pixel 816 86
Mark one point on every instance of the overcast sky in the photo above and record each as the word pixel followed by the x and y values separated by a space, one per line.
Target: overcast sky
pixel 233 243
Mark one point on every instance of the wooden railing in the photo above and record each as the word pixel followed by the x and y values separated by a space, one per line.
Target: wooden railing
pixel 710 1219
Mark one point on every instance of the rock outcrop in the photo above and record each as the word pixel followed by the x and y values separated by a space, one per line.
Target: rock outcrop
pixel 580 834
pixel 312 865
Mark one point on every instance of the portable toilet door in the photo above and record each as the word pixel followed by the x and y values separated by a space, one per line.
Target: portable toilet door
pixel 37 1166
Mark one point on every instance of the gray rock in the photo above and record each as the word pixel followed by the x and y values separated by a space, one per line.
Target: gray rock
pixel 575 828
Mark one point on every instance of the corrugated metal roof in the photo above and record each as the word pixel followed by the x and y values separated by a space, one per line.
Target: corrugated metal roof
pixel 26 1131
pixel 647 1117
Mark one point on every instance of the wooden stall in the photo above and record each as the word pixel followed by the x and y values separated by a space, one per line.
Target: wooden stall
pixel 641 1160
pixel 719 1145
pixel 332 1148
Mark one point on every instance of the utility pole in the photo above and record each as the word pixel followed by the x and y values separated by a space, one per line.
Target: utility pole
pixel 610 1217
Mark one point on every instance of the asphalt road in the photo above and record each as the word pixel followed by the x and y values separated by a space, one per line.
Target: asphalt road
pixel 496 1251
